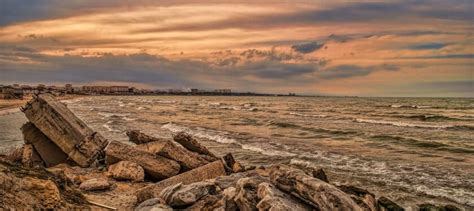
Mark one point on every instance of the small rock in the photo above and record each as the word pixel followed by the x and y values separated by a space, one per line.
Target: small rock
pixel 209 202
pixel 274 199
pixel 320 174
pixel 228 197
pixel 237 167
pixel 126 170
pixel 154 204
pixel 95 184
pixel 246 193
pixel 389 205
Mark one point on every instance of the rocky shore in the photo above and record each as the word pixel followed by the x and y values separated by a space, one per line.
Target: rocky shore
pixel 66 165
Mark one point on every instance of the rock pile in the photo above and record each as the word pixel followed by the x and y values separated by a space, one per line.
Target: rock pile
pixel 152 173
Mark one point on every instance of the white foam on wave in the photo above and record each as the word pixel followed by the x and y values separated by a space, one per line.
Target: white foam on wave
pixel 409 106
pixel 109 127
pixel 402 124
pixel 266 151
pixel 308 115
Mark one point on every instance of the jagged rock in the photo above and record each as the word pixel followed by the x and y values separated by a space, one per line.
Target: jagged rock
pixel 246 193
pixel 49 152
pixel 320 174
pixel 95 184
pixel 228 180
pixel 208 171
pixel 126 170
pixel 46 190
pixel 191 144
pixel 385 204
pixel 180 195
pixel 362 197
pixel 155 166
pixel 34 189
pixel 74 174
pixel 318 193
pixel 228 198
pixel 187 160
pixel 154 204
pixel 208 203
pixel 138 137
pixel 61 126
pixel 30 157
pixel 274 200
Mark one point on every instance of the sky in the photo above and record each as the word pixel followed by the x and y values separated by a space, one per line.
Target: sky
pixel 345 48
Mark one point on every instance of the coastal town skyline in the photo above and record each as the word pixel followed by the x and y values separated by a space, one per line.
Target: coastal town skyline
pixel 358 48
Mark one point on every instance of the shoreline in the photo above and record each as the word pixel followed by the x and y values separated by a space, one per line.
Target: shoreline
pixel 13 105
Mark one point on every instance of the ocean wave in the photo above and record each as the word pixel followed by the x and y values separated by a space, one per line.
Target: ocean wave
pixel 402 124
pixel 308 115
pixel 108 126
pixel 409 106
pixel 267 151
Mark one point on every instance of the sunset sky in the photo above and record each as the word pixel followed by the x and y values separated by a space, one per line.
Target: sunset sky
pixel 364 48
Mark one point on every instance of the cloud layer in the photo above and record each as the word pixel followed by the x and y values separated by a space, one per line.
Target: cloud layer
pixel 311 47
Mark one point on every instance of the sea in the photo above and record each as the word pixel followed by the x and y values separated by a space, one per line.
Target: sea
pixel 411 150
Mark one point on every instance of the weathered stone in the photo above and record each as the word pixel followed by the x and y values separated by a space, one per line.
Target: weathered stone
pixel 95 184
pixel 385 204
pixel 180 195
pixel 49 152
pixel 320 174
pixel 127 170
pixel 191 144
pixel 208 203
pixel 138 137
pixel 246 193
pixel 61 126
pixel 228 162
pixel 155 166
pixel 30 157
pixel 363 198
pixel 208 171
pixel 154 204
pixel 186 159
pixel 228 180
pixel 228 198
pixel 320 194
pixel 273 199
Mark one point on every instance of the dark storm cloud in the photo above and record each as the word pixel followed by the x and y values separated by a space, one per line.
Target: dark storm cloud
pixel 307 47
pixel 427 46
pixel 349 71
pixel 348 13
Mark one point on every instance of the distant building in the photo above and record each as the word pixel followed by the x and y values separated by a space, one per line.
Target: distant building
pixel 68 88
pixel 226 91
pixel 11 92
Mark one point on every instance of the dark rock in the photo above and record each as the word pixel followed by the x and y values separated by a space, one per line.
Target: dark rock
pixel 388 205
pixel 154 204
pixel 180 195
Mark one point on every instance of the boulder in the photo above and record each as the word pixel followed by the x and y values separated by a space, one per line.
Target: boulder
pixel 137 137
pixel 208 171
pixel 127 170
pixel 95 184
pixel 154 204
pixel 246 193
pixel 192 145
pixel 363 198
pixel 155 166
pixel 61 126
pixel 237 167
pixel 318 193
pixel 49 152
pixel 275 200
pixel 320 174
pixel 180 195
pixel 187 160
pixel 228 196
